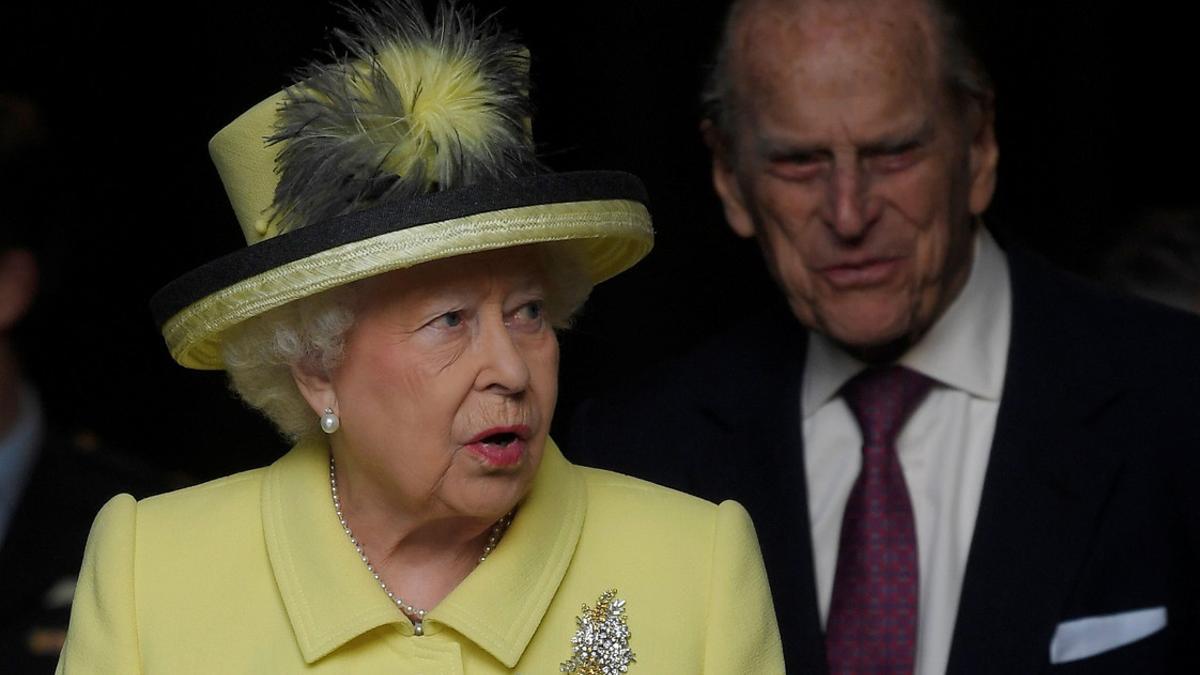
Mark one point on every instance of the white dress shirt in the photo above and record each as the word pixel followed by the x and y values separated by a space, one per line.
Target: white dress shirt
pixel 943 448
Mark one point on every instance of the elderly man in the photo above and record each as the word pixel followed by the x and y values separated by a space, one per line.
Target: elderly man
pixel 958 459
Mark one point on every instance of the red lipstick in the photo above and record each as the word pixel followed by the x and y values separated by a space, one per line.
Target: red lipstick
pixel 500 446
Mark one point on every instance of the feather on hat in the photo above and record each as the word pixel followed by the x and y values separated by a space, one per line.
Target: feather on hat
pixel 415 146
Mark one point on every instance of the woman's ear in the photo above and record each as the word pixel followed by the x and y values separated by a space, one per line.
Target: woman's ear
pixel 316 386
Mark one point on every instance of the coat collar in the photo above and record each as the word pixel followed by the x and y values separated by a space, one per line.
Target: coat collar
pixel 1050 470
pixel 752 391
pixel 501 604
pixel 331 599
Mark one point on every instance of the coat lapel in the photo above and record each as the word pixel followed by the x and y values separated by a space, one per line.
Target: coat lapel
pixel 1048 474
pixel 761 406
pixel 790 534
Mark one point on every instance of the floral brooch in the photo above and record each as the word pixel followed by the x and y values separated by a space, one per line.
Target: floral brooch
pixel 601 645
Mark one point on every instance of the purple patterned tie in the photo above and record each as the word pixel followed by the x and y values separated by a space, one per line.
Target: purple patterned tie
pixel 872 625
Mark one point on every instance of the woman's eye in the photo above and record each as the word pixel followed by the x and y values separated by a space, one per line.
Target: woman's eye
pixel 527 315
pixel 449 320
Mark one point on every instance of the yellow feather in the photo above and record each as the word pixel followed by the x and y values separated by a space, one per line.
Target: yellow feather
pixel 437 106
pixel 447 106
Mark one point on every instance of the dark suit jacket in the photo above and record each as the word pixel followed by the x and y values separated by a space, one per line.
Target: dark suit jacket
pixel 1089 505
pixel 41 553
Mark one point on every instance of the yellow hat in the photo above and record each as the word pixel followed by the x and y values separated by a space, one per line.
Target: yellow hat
pixel 414 148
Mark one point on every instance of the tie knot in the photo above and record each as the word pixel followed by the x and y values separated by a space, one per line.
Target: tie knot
pixel 882 399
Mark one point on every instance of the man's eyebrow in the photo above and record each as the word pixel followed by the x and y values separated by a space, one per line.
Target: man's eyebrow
pixel 781 149
pixel 900 141
pixel 774 148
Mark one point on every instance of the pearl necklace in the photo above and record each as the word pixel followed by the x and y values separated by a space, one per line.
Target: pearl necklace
pixel 415 614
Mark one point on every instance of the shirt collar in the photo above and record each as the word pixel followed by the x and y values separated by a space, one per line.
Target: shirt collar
pixel 18 453
pixel 331 598
pixel 965 349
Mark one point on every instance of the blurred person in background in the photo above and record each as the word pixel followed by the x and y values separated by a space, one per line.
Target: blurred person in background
pixel 52 479
pixel 1159 258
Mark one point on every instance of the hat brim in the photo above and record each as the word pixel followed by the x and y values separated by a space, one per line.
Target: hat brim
pixel 602 214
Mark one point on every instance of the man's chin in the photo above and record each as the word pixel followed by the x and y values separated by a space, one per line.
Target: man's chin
pixel 888 352
pixel 871 345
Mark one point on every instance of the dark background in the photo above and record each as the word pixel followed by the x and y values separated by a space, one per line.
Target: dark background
pixel 1095 123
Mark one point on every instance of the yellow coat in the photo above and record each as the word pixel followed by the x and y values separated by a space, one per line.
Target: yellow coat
pixel 253 574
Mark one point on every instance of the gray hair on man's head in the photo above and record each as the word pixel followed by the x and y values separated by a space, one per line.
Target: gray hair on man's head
pixel 965 76
pixel 310 332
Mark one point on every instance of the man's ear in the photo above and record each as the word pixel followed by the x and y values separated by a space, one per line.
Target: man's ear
pixel 984 158
pixel 18 285
pixel 316 386
pixel 725 181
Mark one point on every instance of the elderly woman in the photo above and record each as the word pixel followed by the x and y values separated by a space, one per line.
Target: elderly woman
pixel 395 315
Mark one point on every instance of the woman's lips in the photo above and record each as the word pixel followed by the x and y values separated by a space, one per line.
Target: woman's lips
pixel 500 446
pixel 871 272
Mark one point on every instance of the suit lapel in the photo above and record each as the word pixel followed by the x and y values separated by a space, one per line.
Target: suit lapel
pixel 1047 477
pixel 764 421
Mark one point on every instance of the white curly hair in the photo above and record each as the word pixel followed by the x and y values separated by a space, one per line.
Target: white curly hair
pixel 260 352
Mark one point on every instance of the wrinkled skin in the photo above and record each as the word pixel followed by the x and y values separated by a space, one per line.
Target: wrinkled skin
pixel 854 168
pixel 438 354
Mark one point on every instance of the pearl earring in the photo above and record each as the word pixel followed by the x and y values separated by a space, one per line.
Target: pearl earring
pixel 329 421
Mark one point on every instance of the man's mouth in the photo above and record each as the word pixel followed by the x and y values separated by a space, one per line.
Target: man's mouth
pixel 861 274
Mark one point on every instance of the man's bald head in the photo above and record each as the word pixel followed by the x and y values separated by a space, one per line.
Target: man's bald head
pixel 850 142
pixel 940 36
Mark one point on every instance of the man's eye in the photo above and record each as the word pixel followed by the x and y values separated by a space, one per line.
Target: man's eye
pixel 897 158
pixel 796 167
pixel 799 158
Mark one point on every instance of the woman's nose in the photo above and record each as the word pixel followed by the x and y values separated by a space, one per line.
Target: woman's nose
pixel 502 364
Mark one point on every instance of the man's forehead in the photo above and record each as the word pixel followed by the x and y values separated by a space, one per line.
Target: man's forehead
pixel 772 140
pixel 851 10
pixel 774 36
pixel 860 71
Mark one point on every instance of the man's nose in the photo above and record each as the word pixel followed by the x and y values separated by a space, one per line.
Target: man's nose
pixel 851 209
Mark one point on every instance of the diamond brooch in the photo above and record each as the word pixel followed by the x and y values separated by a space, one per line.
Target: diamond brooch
pixel 601 645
